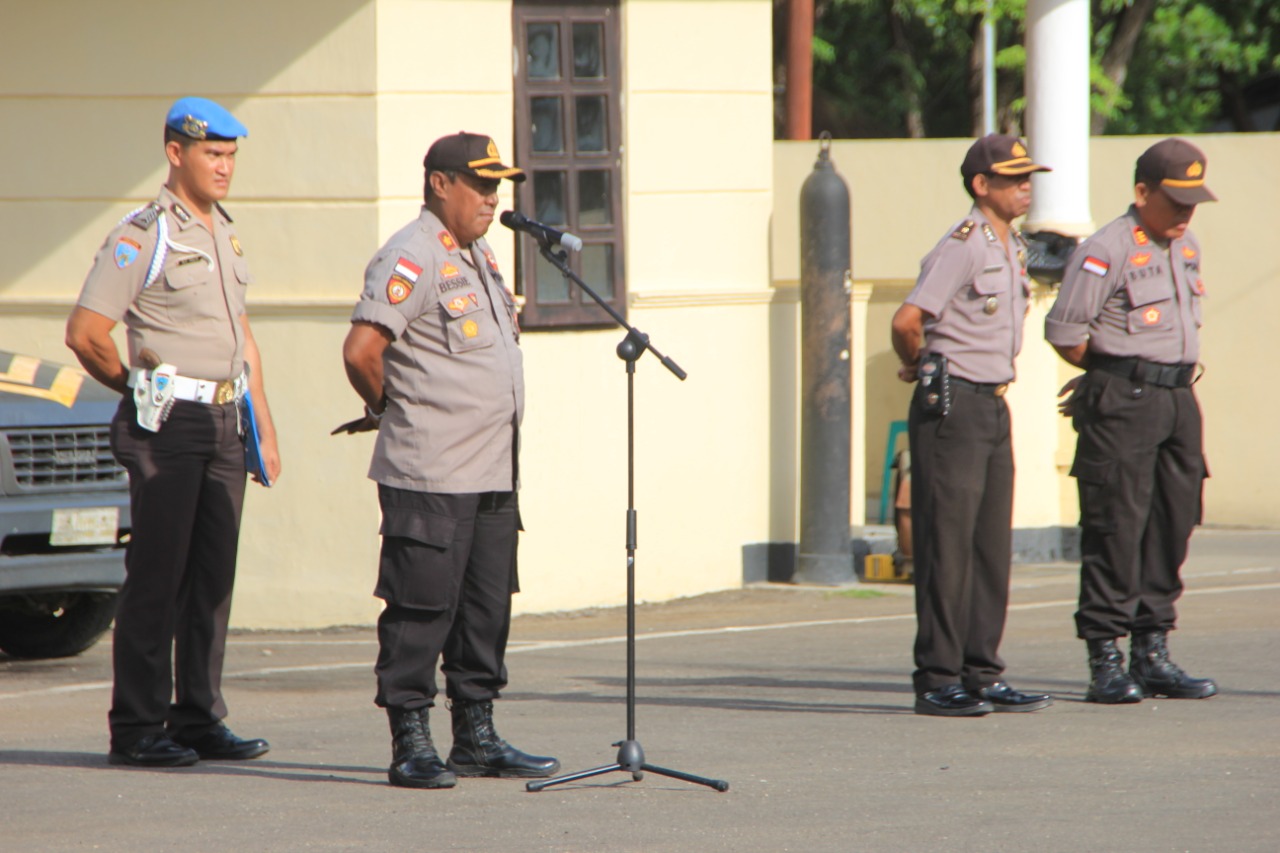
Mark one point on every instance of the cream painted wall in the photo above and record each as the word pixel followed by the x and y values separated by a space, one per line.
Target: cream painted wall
pixel 907 193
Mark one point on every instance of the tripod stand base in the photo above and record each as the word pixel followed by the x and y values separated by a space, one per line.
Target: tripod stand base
pixel 630 760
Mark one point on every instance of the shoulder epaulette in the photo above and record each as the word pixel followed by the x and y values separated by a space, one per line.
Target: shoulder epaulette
pixel 965 229
pixel 223 211
pixel 146 217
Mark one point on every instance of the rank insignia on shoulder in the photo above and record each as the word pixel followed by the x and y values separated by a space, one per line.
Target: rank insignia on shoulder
pixel 446 240
pixel 493 262
pixel 407 270
pixel 1140 237
pixel 184 216
pixel 1096 266
pixel 965 229
pixel 147 216
pixel 1188 252
pixel 990 232
pixel 1141 259
pixel 126 252
pixel 235 246
pixel 398 289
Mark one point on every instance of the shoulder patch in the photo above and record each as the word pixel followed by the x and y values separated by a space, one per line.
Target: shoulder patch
pixel 965 229
pixel 147 216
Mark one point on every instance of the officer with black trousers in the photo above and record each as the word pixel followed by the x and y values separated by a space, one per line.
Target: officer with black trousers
pixel 957 333
pixel 1129 312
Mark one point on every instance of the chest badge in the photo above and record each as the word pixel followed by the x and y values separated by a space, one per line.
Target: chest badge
pixel 1151 316
pixel 1141 259
pixel 992 306
pixel 1188 252
pixel 235 245
pixel 470 329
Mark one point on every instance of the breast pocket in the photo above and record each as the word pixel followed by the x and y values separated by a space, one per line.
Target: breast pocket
pixel 990 288
pixel 467 326
pixel 188 285
pixel 1151 302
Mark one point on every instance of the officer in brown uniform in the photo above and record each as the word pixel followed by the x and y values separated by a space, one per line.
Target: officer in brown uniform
pixel 957 333
pixel 433 351
pixel 1129 312
pixel 174 271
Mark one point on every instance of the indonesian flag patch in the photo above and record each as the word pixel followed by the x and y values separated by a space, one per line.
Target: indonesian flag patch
pixel 408 270
pixel 1096 266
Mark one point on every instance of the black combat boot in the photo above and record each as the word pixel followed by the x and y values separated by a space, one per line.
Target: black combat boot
pixel 1108 682
pixel 414 760
pixel 478 751
pixel 1149 665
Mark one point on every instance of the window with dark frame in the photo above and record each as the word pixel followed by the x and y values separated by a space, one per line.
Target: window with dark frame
pixel 568 137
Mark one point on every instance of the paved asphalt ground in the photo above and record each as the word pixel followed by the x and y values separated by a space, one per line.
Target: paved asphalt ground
pixel 798 697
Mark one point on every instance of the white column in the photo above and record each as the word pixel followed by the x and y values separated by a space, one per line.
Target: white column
pixel 1057 116
pixel 860 297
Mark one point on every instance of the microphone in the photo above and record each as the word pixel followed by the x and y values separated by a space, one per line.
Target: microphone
pixel 519 222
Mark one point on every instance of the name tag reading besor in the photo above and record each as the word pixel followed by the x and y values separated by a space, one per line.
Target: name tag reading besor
pixel 89 526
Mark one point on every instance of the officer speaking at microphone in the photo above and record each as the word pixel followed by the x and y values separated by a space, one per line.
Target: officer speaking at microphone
pixel 434 353
pixel 957 335
pixel 1129 312
pixel 174 271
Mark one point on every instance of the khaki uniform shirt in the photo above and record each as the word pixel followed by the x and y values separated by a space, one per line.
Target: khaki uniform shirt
pixel 190 315
pixel 973 290
pixel 1129 297
pixel 454 375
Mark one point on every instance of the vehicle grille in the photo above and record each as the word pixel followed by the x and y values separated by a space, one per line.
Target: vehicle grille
pixel 47 459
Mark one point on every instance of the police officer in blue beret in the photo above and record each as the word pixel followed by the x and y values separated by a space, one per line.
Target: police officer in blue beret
pixel 174 272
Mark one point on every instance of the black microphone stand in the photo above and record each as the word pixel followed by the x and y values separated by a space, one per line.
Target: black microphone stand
pixel 630 754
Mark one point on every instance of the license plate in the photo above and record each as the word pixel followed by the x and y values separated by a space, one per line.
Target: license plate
pixel 89 526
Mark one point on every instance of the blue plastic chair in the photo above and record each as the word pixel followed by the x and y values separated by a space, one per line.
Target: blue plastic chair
pixel 896 428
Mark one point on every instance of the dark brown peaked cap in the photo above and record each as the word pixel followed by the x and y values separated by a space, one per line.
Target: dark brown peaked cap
pixel 1178 168
pixel 471 154
pixel 998 154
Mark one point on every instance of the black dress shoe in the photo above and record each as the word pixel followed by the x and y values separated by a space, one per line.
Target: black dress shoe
pixel 156 750
pixel 219 743
pixel 1004 698
pixel 952 701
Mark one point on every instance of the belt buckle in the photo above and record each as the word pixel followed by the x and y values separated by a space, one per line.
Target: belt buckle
pixel 225 392
pixel 1000 390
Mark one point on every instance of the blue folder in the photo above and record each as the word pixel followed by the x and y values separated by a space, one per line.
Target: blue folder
pixel 252 447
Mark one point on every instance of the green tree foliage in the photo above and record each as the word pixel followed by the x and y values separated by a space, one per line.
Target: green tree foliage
pixel 891 68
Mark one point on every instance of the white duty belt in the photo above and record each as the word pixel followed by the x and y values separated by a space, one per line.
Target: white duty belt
pixel 206 391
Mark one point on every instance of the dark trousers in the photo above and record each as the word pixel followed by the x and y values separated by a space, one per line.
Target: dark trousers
pixel 186 488
pixel 961 513
pixel 447 572
pixel 1140 471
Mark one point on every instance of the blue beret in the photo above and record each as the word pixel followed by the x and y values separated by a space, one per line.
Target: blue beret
pixel 201 118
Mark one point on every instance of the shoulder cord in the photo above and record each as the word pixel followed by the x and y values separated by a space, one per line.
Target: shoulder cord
pixel 163 245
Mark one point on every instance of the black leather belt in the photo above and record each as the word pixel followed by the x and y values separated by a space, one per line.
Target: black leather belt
pixel 1141 370
pixel 989 389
